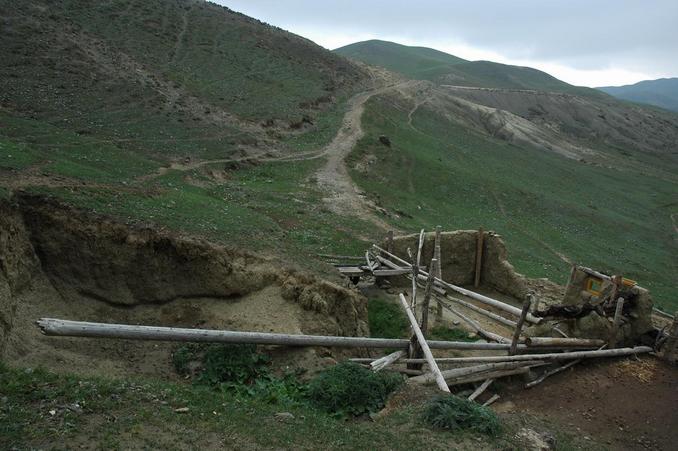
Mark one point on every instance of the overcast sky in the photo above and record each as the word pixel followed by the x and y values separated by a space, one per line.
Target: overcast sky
pixel 588 43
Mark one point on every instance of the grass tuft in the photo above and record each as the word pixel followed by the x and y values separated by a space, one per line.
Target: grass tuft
pixel 454 414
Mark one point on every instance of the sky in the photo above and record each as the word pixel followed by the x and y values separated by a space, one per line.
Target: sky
pixel 586 43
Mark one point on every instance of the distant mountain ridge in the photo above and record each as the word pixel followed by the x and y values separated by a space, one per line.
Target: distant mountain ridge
pixel 662 92
pixel 441 68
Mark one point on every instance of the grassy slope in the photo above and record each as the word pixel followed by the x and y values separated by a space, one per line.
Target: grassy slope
pixel 541 203
pixel 428 64
pixel 154 76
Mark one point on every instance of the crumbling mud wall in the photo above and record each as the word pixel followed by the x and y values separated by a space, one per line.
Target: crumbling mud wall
pixel 636 313
pixel 458 255
pixel 62 262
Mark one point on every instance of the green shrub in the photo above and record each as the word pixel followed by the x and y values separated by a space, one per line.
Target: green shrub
pixel 453 413
pixel 221 364
pixel 348 388
pixel 386 319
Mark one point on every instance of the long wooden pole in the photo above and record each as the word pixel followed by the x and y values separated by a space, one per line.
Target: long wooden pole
pixel 457 373
pixel 482 311
pixel 479 256
pixel 424 346
pixel 489 336
pixel 387 360
pixel 473 295
pixel 567 342
pixel 478 391
pixel 59 327
pixel 547 356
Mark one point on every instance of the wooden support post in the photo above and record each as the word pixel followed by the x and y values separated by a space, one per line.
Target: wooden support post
pixel 479 256
pixel 389 241
pixel 669 349
pixel 442 385
pixel 415 349
pixel 612 343
pixel 519 326
pixel 438 270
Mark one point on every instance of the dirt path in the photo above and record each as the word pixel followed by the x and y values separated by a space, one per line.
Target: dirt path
pixel 342 195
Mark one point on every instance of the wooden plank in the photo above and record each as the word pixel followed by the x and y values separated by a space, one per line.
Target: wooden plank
pixel 479 256
pixel 491 400
pixel 458 373
pixel 519 326
pixel 489 336
pixel 340 257
pixel 424 346
pixel 482 311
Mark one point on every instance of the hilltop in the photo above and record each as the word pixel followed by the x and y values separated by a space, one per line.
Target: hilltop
pixel 441 68
pixel 662 92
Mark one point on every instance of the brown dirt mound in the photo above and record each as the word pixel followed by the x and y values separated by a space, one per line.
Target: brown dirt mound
pixel 56 261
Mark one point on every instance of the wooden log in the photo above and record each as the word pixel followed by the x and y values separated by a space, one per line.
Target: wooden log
pixel 340 257
pixel 489 336
pixel 663 313
pixel 479 256
pixel 491 374
pixel 438 270
pixel 59 327
pixel 519 325
pixel 387 360
pixel 484 312
pixel 390 272
pixel 616 324
pixel 370 264
pixel 424 346
pixel 594 273
pixel 618 352
pixel 557 370
pixel 427 299
pixel 565 342
pixel 491 401
pixel 473 295
pixel 479 391
pixel 458 373
pixel 351 271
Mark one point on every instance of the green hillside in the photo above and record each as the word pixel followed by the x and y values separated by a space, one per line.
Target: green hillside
pixel 547 207
pixel 165 78
pixel 662 92
pixel 427 64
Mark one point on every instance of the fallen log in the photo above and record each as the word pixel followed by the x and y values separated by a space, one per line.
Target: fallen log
pixel 491 374
pixel 59 327
pixel 489 336
pixel 478 391
pixel 473 295
pixel 424 346
pixel 385 361
pixel 482 311
pixel 535 342
pixel 457 373
pixel 491 400
pixel 549 356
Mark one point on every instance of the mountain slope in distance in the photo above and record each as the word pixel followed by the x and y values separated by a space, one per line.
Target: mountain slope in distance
pixel 662 92
pixel 441 68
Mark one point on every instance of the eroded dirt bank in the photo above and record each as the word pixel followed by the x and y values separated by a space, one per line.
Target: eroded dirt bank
pixel 56 261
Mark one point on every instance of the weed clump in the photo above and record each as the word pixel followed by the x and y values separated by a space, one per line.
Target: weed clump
pixel 456 414
pixel 348 388
pixel 221 364
pixel 386 319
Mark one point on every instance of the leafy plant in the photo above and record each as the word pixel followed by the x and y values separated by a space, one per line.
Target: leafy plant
pixel 386 319
pixel 453 413
pixel 348 388
pixel 222 364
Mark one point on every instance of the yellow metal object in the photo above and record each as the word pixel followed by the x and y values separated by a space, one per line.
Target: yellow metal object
pixel 594 286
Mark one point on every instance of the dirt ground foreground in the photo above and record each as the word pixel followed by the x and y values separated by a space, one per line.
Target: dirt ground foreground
pixel 62 263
